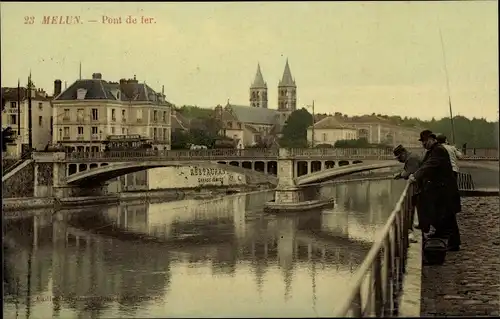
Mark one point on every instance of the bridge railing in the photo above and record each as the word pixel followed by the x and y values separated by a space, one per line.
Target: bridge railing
pixel 378 282
pixel 228 154
pixel 465 181
pixel 213 154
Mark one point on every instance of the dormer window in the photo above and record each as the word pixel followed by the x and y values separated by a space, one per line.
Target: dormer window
pixel 80 94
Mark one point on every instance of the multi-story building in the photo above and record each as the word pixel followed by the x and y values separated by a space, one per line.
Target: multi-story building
pixel 15 114
pixel 329 130
pixel 254 124
pixel 375 129
pixel 90 110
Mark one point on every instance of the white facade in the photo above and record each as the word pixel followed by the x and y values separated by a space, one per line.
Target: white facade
pixel 192 177
pixel 331 135
pixel 83 123
pixel 41 112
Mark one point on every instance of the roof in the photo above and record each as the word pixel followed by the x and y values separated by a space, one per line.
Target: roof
pixel 331 122
pixel 99 89
pixel 256 115
pixel 287 79
pixel 10 94
pixel 177 123
pixel 369 119
pixel 251 129
pixel 259 83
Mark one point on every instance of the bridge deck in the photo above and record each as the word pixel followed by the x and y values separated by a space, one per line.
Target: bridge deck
pixel 468 283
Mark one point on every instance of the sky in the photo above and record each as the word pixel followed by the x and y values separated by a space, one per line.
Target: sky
pixel 349 57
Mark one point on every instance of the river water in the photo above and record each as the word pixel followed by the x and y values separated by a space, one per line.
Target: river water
pixel 221 257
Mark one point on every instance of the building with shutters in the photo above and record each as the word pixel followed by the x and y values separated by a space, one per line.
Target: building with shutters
pixel 15 115
pixel 90 110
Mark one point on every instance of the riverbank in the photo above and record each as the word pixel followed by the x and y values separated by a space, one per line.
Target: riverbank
pixel 12 205
pixel 468 283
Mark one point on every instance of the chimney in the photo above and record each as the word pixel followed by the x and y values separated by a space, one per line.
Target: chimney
pixel 57 87
pixel 96 76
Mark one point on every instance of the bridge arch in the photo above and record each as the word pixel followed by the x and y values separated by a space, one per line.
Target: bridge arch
pixel 114 170
pixel 326 174
pixel 342 171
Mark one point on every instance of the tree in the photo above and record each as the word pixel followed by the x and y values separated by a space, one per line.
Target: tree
pixel 8 137
pixel 180 139
pixel 295 129
pixel 359 143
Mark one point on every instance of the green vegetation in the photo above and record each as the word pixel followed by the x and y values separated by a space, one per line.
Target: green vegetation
pixel 359 143
pixel 203 128
pixel 295 129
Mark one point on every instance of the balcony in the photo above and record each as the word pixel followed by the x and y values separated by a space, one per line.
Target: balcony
pixel 66 119
pixel 139 120
pixel 95 137
pixel 113 119
pixel 66 138
pixel 80 138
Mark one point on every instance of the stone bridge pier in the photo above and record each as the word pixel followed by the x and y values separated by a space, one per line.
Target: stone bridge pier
pixel 287 192
pixel 50 178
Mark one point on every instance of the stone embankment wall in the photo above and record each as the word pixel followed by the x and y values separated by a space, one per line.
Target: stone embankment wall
pixel 21 184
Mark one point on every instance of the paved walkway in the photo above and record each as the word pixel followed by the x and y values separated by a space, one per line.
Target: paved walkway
pixel 468 284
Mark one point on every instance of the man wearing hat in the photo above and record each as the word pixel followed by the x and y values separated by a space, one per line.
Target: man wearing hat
pixel 439 194
pixel 412 163
pixel 453 152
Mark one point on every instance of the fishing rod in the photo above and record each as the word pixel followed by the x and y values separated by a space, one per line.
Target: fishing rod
pixel 447 86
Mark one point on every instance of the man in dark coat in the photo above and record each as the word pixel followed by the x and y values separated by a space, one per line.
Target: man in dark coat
pixel 439 195
pixel 412 163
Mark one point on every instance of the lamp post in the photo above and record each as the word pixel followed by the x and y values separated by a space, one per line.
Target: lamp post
pixel 312 106
pixel 30 120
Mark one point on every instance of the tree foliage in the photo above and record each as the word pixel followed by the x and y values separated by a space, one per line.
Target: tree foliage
pixel 359 143
pixel 295 129
pixel 204 128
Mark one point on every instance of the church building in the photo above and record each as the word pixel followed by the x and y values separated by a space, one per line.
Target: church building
pixel 256 124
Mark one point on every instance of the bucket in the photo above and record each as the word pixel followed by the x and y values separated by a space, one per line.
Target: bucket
pixel 435 251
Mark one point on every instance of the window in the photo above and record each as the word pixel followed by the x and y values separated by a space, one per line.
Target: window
pixel 124 115
pixel 13 119
pixel 123 131
pixel 324 137
pixel 95 115
pixel 155 133
pixel 155 116
pixel 80 113
pixel 113 114
pixel 80 130
pixel 66 131
pixel 165 134
pixel 13 105
pixel 40 105
pixel 40 121
pixel 112 130
pixel 164 116
pixel 66 115
pixel 94 130
pixel 139 115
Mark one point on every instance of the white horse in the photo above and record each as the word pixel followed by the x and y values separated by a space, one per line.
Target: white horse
pixel 197 147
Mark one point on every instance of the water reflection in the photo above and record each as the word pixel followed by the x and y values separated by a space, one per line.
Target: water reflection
pixel 221 257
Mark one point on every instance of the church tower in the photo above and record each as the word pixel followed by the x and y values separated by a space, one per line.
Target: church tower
pixel 258 91
pixel 287 91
